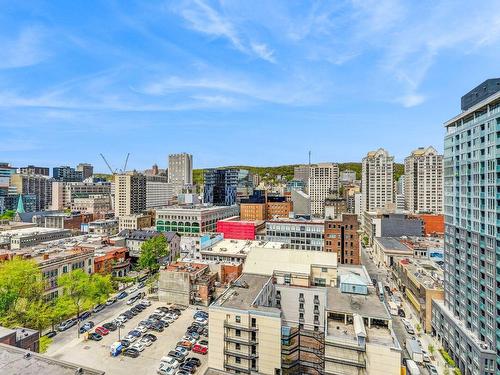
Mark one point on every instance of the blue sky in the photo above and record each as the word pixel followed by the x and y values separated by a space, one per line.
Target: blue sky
pixel 235 82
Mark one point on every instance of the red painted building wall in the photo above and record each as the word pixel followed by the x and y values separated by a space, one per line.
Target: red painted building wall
pixel 433 224
pixel 237 230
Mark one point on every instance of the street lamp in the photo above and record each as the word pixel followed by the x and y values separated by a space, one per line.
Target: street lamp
pixel 119 337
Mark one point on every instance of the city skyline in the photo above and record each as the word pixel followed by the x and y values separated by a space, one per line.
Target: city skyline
pixel 201 77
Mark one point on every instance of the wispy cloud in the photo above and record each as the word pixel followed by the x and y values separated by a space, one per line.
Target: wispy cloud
pixel 24 49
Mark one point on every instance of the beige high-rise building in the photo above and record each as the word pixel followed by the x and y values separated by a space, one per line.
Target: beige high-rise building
pixel 423 188
pixel 323 181
pixel 180 171
pixel 65 193
pixel 130 194
pixel 377 180
pixel 36 184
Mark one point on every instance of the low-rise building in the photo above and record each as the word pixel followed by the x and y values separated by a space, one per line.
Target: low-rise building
pixel 342 237
pixel 420 281
pixel 387 249
pixel 134 222
pixel 233 228
pixel 112 260
pixel 186 284
pixel 133 240
pixel 297 234
pixel 433 224
pixel 387 224
pixel 23 338
pixel 26 237
pixel 192 220
pixel 234 251
pixel 95 204
pixel 105 227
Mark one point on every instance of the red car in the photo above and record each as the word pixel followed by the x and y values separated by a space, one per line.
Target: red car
pixel 102 331
pixel 200 349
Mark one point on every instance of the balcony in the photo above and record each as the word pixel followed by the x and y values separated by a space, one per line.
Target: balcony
pixel 239 354
pixel 237 367
pixel 302 299
pixel 360 362
pixel 239 326
pixel 240 340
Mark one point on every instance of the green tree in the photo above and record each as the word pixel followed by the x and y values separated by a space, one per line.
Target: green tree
pixel 81 291
pixel 44 343
pixel 151 252
pixel 431 349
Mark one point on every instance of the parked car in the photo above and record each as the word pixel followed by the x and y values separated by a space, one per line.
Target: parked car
pixel 135 333
pixel 86 327
pixel 122 295
pixel 401 313
pixel 185 344
pixel 203 343
pixel 200 349
pixel 182 372
pixel 194 335
pixel 170 361
pixel 151 337
pixel 84 315
pixel 132 289
pixel 130 338
pixel 102 331
pixel 179 357
pixel 125 343
pixel 50 334
pixel 66 324
pixel 164 369
pixel 432 369
pixel 95 336
pixel 98 308
pixel 191 339
pixel 110 326
pixel 132 300
pixel 146 341
pixel 111 301
pixel 141 285
pixel 195 360
pixel 142 328
pixel 188 367
pixel 130 352
pixel 138 345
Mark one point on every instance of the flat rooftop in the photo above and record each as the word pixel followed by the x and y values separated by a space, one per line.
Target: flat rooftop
pixel 391 244
pixel 427 272
pixel 368 306
pixel 16 361
pixel 238 247
pixel 21 232
pixel 243 292
pixel 297 221
pixel 198 207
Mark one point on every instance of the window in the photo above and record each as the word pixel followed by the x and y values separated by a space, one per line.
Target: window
pixel 238 346
pixel 323 269
pixel 237 360
pixel 238 333
pixel 238 319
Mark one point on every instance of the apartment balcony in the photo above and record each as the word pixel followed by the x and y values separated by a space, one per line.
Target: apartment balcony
pixel 301 309
pixel 239 326
pixel 359 362
pixel 302 299
pixel 240 340
pixel 239 354
pixel 237 367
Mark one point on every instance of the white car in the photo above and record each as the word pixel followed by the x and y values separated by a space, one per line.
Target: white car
pixel 142 329
pixel 201 321
pixel 427 359
pixel 164 369
pixel 130 338
pixel 159 312
pixel 168 319
pixel 121 319
pixel 139 346
pixel 189 338
pixel 182 350
pixel 145 302
pixel 132 290
pixel 146 341
pixel 170 362
pixel 172 316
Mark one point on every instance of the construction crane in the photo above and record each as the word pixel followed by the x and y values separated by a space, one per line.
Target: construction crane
pixel 113 172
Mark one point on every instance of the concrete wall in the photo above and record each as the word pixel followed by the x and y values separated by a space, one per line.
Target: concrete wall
pixel 382 360
pixel 174 287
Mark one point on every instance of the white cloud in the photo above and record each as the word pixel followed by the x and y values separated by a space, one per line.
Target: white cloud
pixel 411 100
pixel 25 49
pixel 263 52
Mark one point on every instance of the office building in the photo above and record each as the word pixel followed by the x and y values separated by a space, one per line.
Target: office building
pixel 130 194
pixel 5 172
pixel 342 237
pixel 134 222
pixel 67 174
pixel 11 202
pixel 31 169
pixel 347 177
pixel 86 169
pixel 263 206
pixel 388 224
pixel 192 220
pixel 94 204
pixel 335 206
pixel 377 178
pixel 423 183
pixel 159 192
pixel 301 173
pixel 233 228
pixel 134 239
pixel 295 185
pixel 297 234
pixel 33 184
pixel 220 186
pixel 180 171
pixel 104 227
pixel 323 181
pixel 26 237
pixel 64 194
pixel 467 322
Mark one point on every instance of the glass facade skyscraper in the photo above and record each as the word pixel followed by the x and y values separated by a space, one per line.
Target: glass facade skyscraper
pixel 467 322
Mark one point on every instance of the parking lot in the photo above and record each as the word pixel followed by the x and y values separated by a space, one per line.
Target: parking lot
pixel 96 354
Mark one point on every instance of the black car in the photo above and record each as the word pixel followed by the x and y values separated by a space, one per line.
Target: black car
pixel 140 307
pixel 143 278
pixel 182 372
pixel 178 356
pixel 95 336
pixel 141 285
pixel 176 311
pixel 150 336
pixel 128 314
pixel 98 308
pixel 125 343
pixel 157 327
pixel 188 366
pixel 130 352
pixel 135 333
pixel 122 295
pixel 50 334
pixel 401 313
pixel 110 326
pixel 135 310
pixel 195 360
pixel 164 309
pixel 84 315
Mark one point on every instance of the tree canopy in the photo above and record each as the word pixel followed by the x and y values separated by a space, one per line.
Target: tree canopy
pixel 152 251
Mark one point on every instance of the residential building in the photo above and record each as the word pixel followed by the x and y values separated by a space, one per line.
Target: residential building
pixel 130 194
pixel 467 321
pixel 104 227
pixel 133 240
pixel 180 171
pixel 347 177
pixel 220 186
pixel 295 185
pixel 65 193
pixel 186 284
pixel 424 181
pixel 342 237
pixel 253 211
pixel 33 184
pixel 377 179
pixel 232 251
pixel 93 204
pixel 86 169
pixel 335 206
pixel 420 281
pixel 19 361
pixel 297 234
pixel 233 228
pixel 31 169
pixel 112 260
pixel 358 199
pixel 386 250
pixel 349 194
pixel 67 174
pixel 387 224
pixel 26 237
pixel 433 224
pixel 23 338
pixel 192 220
pixel 159 192
pixel 323 181
pixel 5 172
pixel 301 173
pixel 11 202
pixel 133 222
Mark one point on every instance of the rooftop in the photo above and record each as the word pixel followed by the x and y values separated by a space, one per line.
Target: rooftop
pixel 243 293
pixel 238 247
pixel 368 306
pixel 197 207
pixel 426 272
pixel 143 235
pixel 23 232
pixel 298 221
pixel 393 245
pixel 266 261
pixel 236 219
pixel 17 361
pixel 192 268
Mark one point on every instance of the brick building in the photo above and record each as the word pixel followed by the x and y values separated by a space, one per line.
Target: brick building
pixel 232 228
pixel 342 237
pixel 433 224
